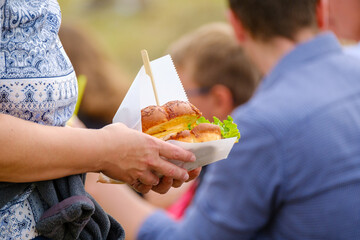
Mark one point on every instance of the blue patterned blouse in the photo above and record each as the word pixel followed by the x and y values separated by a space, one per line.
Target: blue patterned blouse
pixel 37 83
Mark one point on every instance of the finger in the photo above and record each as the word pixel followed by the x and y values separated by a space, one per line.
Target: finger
pixel 177 183
pixel 194 174
pixel 141 188
pixel 170 151
pixel 164 185
pixel 149 178
pixel 165 168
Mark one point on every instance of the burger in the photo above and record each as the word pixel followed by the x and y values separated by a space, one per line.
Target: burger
pixel 182 121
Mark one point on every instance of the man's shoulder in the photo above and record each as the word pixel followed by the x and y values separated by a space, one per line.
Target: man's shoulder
pixel 353 51
pixel 301 93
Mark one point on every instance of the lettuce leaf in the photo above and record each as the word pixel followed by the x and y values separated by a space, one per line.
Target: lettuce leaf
pixel 228 127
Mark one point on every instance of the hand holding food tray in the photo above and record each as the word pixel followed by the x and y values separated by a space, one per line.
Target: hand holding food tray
pixel 168 88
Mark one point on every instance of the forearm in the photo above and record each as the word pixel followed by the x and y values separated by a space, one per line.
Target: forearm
pixel 32 152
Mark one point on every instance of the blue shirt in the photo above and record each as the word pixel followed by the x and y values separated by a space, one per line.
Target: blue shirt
pixel 295 173
pixel 353 50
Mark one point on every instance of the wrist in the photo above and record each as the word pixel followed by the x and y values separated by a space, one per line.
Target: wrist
pixel 101 142
pixel 110 148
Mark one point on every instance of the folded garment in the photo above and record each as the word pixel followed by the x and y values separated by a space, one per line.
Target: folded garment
pixel 74 214
pixel 70 212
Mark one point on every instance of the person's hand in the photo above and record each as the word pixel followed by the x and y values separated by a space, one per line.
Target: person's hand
pixel 134 158
pixel 167 182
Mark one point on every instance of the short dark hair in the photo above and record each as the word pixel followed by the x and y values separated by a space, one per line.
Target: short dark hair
pixel 265 19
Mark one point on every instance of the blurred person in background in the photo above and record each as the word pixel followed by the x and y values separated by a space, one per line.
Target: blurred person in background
pixel 216 75
pixel 217 78
pixel 343 19
pixel 295 173
pixel 42 162
pixel 106 85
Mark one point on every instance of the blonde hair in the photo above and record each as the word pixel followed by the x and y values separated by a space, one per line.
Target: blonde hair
pixel 215 57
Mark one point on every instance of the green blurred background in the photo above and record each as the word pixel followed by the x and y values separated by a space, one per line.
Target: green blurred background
pixel 121 28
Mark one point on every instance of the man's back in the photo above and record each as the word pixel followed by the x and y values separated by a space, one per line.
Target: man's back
pixel 318 127
pixel 296 169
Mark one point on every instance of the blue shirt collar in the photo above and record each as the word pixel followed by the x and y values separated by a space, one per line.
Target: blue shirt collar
pixel 322 44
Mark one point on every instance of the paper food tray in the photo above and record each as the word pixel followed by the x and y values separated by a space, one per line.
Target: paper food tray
pixel 169 88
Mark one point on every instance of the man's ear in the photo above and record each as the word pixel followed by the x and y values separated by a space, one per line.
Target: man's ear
pixel 237 26
pixel 322 14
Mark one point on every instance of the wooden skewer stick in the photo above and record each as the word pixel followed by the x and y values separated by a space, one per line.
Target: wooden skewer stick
pixel 145 58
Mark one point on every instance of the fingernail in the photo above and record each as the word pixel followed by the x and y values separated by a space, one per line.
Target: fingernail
pixel 186 177
pixel 193 158
pixel 156 182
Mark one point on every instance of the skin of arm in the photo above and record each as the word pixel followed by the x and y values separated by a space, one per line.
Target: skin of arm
pixel 33 152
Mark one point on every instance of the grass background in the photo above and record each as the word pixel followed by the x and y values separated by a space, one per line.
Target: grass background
pixel 121 35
